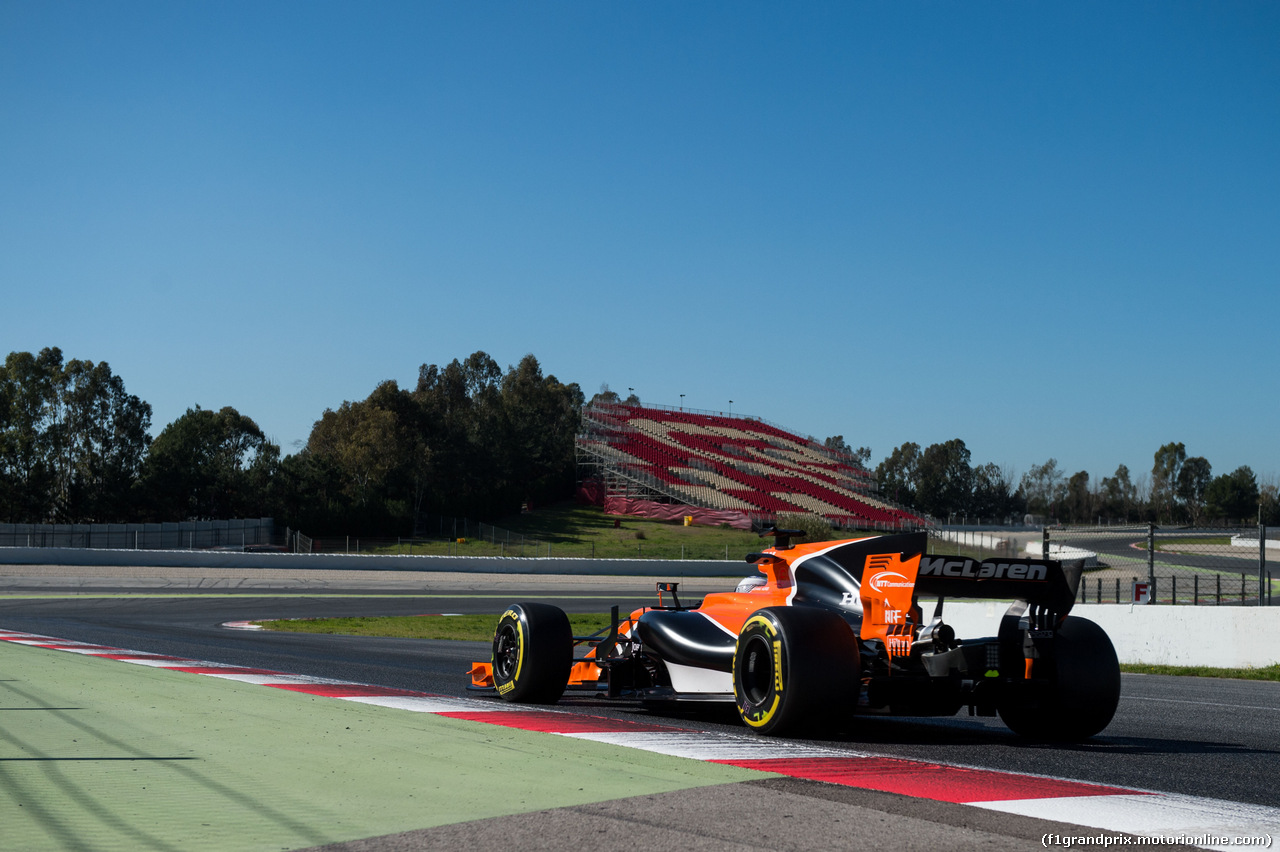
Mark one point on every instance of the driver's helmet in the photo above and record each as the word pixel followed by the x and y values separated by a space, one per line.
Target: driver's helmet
pixel 751 583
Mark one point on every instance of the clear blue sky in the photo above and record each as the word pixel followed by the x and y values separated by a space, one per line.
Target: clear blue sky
pixel 1048 229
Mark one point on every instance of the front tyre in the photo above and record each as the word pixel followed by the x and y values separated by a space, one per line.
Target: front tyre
pixel 1083 695
pixel 793 666
pixel 532 653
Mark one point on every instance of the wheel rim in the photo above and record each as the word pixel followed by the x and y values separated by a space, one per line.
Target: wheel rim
pixel 757 670
pixel 506 652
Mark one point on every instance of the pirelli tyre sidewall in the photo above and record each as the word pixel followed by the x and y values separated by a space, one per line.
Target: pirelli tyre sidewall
pixel 532 653
pixel 794 666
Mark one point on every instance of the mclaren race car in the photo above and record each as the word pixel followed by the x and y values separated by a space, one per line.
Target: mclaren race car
pixel 829 630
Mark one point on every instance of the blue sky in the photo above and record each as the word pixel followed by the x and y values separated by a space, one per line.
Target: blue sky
pixel 1050 230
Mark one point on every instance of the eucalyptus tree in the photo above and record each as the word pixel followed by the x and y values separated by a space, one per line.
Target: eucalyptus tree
pixel 898 473
pixel 72 439
pixel 944 479
pixel 1164 478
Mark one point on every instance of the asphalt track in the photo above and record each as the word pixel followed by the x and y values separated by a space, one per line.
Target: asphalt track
pixel 1213 739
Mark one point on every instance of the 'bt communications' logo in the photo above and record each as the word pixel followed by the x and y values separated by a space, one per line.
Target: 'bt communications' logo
pixel 886 580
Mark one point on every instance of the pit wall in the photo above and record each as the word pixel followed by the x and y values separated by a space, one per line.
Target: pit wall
pixel 1226 636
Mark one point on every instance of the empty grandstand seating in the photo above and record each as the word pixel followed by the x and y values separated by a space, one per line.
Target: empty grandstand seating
pixel 729 463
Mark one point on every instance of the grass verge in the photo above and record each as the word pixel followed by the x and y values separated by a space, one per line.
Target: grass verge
pixel 1265 673
pixel 571 530
pixel 471 628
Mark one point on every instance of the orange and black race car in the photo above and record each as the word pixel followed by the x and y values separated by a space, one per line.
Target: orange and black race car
pixel 829 630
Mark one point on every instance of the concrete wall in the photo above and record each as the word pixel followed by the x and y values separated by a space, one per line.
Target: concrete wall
pixel 1225 636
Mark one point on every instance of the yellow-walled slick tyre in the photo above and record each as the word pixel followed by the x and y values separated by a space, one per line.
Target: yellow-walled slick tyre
pixel 532 653
pixel 1084 693
pixel 794 666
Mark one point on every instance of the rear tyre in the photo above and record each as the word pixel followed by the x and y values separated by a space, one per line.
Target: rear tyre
pixel 794 666
pixel 532 653
pixel 1083 695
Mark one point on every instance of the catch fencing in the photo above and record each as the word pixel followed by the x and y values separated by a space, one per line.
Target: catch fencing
pixel 1171 565
pixel 240 534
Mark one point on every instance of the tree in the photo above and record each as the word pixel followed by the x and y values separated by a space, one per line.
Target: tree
pixel 837 445
pixel 1233 496
pixel 1119 495
pixel 994 493
pixel 858 457
pixel 72 439
pixel 1269 499
pixel 1078 503
pixel 898 473
pixel 102 441
pixel 360 441
pixel 541 418
pixel 605 396
pixel 944 481
pixel 469 439
pixel 1193 479
pixel 28 402
pixel 373 460
pixel 1042 487
pixel 1164 478
pixel 210 464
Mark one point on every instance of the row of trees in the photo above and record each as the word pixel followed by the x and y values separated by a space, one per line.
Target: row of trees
pixel 468 439
pixel 75 447
pixel 941 481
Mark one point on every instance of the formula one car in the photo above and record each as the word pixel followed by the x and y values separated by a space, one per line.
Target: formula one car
pixel 829 630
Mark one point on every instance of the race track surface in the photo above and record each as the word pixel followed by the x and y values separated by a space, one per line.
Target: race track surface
pixel 1215 739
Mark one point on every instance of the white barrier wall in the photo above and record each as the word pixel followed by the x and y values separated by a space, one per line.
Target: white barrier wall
pixel 1224 636
pixel 1252 543
pixel 1035 550
pixel 989 541
pixel 368 562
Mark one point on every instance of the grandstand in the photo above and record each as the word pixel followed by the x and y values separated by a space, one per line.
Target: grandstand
pixel 741 467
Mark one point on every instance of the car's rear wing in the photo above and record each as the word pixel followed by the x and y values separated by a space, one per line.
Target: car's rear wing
pixel 1048 583
pixel 834 574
